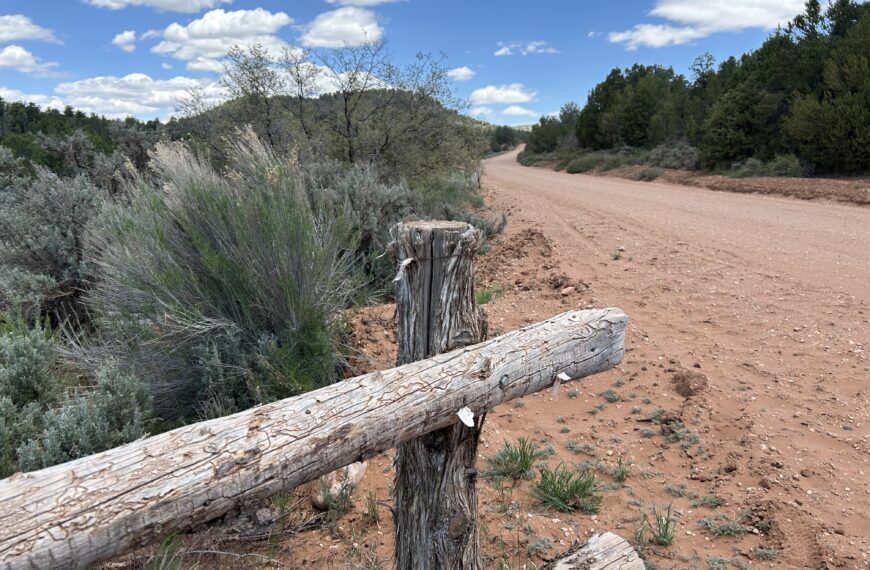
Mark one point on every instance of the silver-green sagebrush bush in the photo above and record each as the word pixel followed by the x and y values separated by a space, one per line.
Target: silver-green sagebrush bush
pixel 43 421
pixel 221 290
pixel 42 224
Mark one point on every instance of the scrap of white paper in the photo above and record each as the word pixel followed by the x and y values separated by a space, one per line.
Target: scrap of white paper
pixel 562 377
pixel 467 416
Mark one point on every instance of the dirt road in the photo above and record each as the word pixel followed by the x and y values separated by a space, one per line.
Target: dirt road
pixel 768 297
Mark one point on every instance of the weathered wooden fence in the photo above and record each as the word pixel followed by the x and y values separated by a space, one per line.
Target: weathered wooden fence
pixel 101 506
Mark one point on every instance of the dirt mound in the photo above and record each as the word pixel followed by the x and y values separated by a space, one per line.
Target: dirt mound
pixel 689 383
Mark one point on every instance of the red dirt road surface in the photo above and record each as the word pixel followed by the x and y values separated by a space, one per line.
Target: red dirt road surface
pixel 767 297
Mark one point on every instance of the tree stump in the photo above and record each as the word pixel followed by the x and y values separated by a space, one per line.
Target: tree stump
pixel 435 511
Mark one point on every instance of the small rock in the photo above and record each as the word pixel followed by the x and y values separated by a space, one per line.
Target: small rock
pixel 568 291
pixel 330 486
pixel 806 473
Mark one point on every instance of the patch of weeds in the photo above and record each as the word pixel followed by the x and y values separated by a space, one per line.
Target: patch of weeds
pixel 598 408
pixel 740 564
pixel 650 174
pixel 519 403
pixel 619 382
pixel 636 410
pixel 565 430
pixel 572 393
pixel 167 556
pixel 487 294
pixel 615 440
pixel 635 503
pixel 610 395
pixel 646 401
pixel 568 490
pixel 763 553
pixel 561 420
pixel 539 546
pixel 585 448
pixel 717 563
pixel 514 461
pixel 646 432
pixel 337 505
pixel 373 513
pixel 616 255
pixel 723 527
pixel 676 490
pixel 505 497
pixel 709 501
pixel 621 471
pixel 660 527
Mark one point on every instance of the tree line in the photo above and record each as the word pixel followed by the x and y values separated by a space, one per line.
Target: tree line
pixel 804 92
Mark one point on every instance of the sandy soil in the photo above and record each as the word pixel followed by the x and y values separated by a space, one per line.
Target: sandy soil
pixel 749 326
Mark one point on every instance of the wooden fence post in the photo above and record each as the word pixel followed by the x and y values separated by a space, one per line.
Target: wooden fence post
pixel 435 510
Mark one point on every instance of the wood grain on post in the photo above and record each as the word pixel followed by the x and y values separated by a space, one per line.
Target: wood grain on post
pixel 435 494
pixel 98 507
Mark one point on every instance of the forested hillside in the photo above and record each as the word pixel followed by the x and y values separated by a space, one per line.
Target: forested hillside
pixel 804 93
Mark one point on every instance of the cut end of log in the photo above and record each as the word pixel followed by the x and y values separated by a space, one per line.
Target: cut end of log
pixel 605 551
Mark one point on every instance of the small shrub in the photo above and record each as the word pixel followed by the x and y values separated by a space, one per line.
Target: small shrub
pixel 568 490
pixel 584 448
pixel 572 393
pixel 514 461
pixel 610 395
pixel 539 546
pixel 647 433
pixel 723 527
pixel 784 165
pixel 709 501
pixel 679 155
pixel 650 174
pixel 582 164
pixel 717 563
pixel 167 556
pixel 676 490
pixel 764 553
pixel 339 504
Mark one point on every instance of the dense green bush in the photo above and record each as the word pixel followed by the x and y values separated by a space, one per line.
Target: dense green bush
pixel 44 419
pixel 222 291
pixel 42 223
pixel 582 164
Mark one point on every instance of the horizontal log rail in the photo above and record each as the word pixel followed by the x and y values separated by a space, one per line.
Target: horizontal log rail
pixel 101 506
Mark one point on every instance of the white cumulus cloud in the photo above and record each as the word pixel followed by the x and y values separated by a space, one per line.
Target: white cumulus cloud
pixel 15 27
pixel 203 42
pixel 125 40
pixel 690 20
pixel 480 111
pixel 188 6
pixel 517 111
pixel 362 2
pixel 524 48
pixel 45 101
pixel 348 26
pixel 513 93
pixel 134 94
pixel 19 59
pixel 463 73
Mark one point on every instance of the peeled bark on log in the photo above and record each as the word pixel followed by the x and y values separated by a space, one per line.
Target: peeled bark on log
pixel 605 551
pixel 435 493
pixel 99 507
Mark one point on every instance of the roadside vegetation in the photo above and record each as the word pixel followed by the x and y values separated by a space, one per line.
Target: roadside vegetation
pixel 155 274
pixel 799 105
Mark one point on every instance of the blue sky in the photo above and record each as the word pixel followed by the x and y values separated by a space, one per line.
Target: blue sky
pixel 513 61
